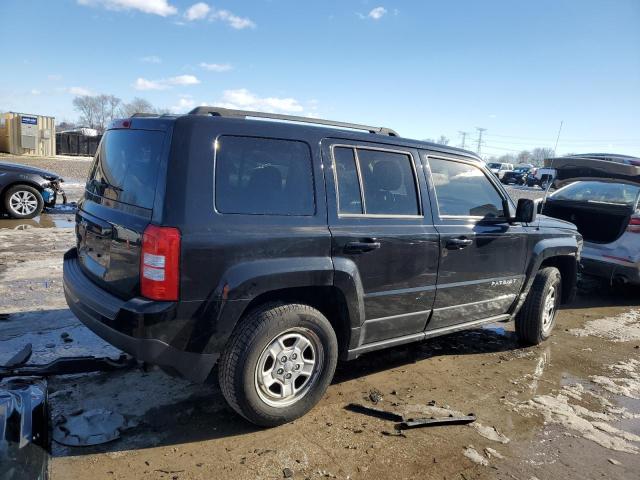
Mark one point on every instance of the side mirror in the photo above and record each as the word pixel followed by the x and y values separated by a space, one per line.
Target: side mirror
pixel 526 211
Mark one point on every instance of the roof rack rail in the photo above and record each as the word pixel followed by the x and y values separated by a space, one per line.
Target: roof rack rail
pixel 227 112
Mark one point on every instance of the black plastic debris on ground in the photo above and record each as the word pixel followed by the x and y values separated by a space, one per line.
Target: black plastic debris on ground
pixel 410 423
pixel 68 366
pixel 24 429
pixel 92 427
pixel 20 358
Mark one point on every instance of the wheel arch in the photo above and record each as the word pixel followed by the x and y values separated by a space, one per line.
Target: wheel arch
pixel 327 299
pixel 560 252
pixel 29 183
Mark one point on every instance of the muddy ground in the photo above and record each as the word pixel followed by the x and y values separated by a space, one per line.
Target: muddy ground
pixel 569 408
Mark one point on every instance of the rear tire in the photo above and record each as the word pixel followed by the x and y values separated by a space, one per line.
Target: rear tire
pixel 23 202
pixel 278 363
pixel 537 317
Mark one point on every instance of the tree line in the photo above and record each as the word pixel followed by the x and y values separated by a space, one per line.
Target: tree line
pixel 96 111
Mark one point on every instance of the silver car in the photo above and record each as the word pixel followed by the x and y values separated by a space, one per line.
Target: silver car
pixel 600 194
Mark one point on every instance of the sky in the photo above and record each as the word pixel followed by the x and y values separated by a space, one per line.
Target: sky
pixel 424 68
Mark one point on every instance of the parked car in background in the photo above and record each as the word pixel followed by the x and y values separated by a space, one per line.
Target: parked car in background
pixel 273 248
pixel 26 191
pixel 517 175
pixel 499 169
pixel 541 177
pixel 600 194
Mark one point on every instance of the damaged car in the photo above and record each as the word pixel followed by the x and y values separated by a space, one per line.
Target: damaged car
pixel 26 191
pixel 600 194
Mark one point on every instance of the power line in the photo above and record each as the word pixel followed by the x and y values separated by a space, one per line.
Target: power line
pixel 570 140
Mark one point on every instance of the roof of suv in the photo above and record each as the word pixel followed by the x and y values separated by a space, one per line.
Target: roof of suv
pixel 327 128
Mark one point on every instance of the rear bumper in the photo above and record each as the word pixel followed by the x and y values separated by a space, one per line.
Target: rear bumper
pixel 121 323
pixel 610 270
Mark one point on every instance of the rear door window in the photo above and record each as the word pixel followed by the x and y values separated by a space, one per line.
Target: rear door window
pixel 263 176
pixel 385 180
pixel 463 190
pixel 126 166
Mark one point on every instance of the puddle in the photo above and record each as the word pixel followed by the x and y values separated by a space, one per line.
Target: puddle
pixel 46 220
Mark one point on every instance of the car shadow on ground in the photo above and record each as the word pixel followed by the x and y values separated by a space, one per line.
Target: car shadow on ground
pixel 201 412
pixel 162 411
pixel 596 292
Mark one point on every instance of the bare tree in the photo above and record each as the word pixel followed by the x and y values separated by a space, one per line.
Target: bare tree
pixel 442 140
pixel 96 111
pixel 538 155
pixel 523 157
pixel 137 105
pixel 86 107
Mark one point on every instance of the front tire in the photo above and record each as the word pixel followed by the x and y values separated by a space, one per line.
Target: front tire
pixel 278 363
pixel 23 202
pixel 537 317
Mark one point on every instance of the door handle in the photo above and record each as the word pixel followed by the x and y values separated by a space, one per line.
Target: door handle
pixel 458 243
pixel 362 247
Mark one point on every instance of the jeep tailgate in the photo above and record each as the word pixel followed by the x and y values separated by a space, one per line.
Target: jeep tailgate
pixel 117 207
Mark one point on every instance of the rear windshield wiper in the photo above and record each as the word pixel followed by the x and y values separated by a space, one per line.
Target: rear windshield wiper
pixel 104 184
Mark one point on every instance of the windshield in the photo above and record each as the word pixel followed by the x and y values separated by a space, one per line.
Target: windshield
pixel 600 192
pixel 494 165
pixel 126 167
pixel 523 169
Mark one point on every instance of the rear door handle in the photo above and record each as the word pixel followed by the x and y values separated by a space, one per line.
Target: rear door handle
pixel 362 247
pixel 458 243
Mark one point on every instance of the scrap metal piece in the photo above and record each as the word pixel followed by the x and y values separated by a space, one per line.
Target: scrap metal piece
pixel 92 427
pixel 21 357
pixel 24 429
pixel 374 412
pixel 435 422
pixel 70 365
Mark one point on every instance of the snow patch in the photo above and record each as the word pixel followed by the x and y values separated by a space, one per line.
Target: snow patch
pixel 619 328
pixel 472 454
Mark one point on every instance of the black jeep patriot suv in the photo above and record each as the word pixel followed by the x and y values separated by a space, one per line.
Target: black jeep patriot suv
pixel 273 248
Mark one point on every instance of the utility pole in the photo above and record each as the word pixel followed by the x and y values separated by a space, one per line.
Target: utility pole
pixel 464 137
pixel 480 132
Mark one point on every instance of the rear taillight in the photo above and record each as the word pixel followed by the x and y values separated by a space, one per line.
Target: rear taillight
pixel 160 263
pixel 634 225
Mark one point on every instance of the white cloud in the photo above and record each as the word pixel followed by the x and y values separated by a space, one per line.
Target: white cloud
pixel 151 59
pixel 377 13
pixel 234 21
pixel 185 104
pixel 164 83
pixel 80 91
pixel 155 7
pixel 54 77
pixel 182 80
pixel 197 11
pixel 35 91
pixel 216 67
pixel 144 84
pixel 245 100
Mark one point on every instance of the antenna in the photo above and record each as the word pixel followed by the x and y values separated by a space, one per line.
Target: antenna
pixel 546 192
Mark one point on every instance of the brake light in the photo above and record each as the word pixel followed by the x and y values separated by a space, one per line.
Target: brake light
pixel 120 123
pixel 634 225
pixel 160 263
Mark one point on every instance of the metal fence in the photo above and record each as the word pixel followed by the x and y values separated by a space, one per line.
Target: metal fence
pixel 76 144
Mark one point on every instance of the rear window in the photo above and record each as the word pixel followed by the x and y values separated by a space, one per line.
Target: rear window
pixel 263 176
pixel 126 166
pixel 600 192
